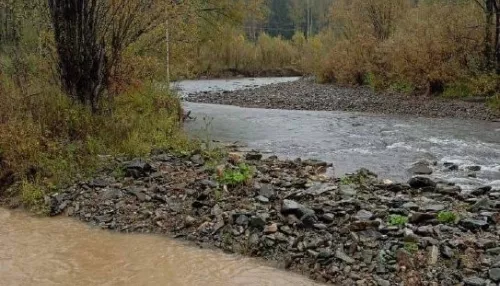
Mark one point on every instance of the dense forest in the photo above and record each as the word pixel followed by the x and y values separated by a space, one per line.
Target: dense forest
pixel 79 79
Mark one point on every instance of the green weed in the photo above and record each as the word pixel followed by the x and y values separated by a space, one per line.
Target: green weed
pixel 236 176
pixel 397 220
pixel 447 217
pixel 411 247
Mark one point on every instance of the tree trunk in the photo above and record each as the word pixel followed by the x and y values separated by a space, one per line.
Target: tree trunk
pixel 82 59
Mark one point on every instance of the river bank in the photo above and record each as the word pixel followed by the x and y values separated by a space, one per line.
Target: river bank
pixel 305 94
pixel 356 230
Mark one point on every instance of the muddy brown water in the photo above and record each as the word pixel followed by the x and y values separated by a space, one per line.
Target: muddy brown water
pixel 58 251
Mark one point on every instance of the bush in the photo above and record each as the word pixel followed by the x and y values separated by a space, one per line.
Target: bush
pixel 48 140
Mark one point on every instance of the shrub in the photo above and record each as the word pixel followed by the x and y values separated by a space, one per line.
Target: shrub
pixel 47 140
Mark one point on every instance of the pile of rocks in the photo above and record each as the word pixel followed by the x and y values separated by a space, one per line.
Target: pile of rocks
pixel 307 95
pixel 357 230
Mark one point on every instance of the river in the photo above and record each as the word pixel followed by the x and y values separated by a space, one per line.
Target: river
pixel 59 251
pixel 62 251
pixel 385 144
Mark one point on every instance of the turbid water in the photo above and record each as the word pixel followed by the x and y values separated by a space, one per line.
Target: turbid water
pixel 56 251
pixel 385 144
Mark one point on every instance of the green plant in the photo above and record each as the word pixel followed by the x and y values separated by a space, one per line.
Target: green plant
pixel 457 90
pixel 494 103
pixel 236 176
pixel 402 87
pixel 347 180
pixel 397 220
pixel 447 217
pixel 411 247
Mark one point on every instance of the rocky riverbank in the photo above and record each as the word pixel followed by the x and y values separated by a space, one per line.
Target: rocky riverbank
pixel 305 94
pixel 355 230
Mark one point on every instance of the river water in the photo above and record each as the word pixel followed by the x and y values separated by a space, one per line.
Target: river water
pixel 57 251
pixel 385 144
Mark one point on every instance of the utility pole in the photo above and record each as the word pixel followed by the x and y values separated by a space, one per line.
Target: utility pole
pixel 167 39
pixel 309 19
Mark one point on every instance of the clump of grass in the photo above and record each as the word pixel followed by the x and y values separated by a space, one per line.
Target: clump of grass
pixel 447 217
pixel 411 247
pixel 236 176
pixel 397 220
pixel 347 180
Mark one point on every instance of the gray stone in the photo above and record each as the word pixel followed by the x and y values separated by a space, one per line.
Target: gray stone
pixel 433 255
pixel 347 191
pixel 319 189
pixel 197 159
pixel 481 204
pixel 189 220
pixel 474 224
pixel 253 156
pixel 319 226
pixel 380 281
pixel 474 281
pixel 425 230
pixel 448 190
pixel 481 190
pixel 292 207
pixel 418 217
pixel 340 254
pixel 209 183
pixel 267 191
pixel 99 183
pixel 272 228
pixel 421 182
pixel 494 274
pixel 421 168
pixel 473 168
pixel 494 250
pixel 410 206
pixel 216 210
pixel 433 207
pixel 103 218
pixel 446 251
pixel 138 194
pixel 324 253
pixel 328 217
pixel 363 215
pixel 111 194
pixel 262 199
pixel 242 220
pixel 257 222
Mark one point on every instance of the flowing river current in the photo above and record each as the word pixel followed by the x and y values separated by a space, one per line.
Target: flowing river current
pixel 385 144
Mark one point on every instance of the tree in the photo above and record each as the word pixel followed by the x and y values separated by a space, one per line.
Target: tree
pixel 492 33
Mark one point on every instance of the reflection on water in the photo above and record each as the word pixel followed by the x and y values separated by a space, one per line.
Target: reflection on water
pixel 53 251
